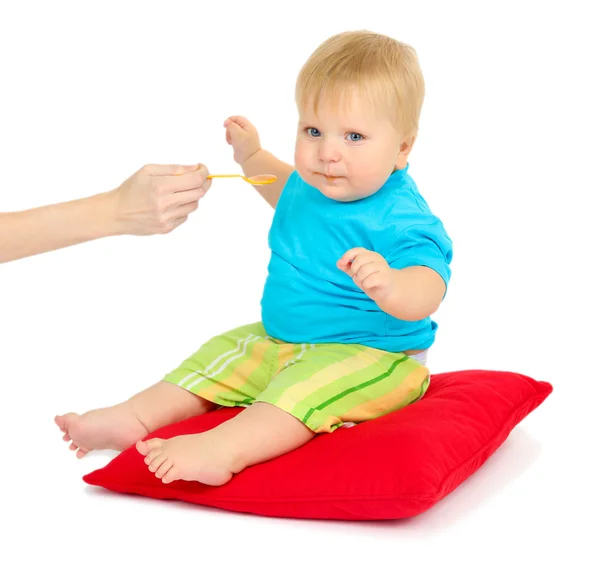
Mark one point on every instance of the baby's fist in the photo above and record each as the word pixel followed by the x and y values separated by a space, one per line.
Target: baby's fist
pixel 369 271
pixel 243 137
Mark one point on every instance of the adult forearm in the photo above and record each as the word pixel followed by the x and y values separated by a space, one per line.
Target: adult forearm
pixel 55 226
pixel 154 200
pixel 265 162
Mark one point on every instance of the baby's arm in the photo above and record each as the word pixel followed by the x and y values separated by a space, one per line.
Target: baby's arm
pixel 420 270
pixel 410 293
pixel 416 293
pixel 410 282
pixel 265 162
pixel 247 152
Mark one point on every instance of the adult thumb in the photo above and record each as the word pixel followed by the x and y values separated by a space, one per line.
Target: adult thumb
pixel 181 169
pixel 164 170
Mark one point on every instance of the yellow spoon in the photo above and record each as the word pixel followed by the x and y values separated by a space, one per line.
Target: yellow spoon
pixel 254 180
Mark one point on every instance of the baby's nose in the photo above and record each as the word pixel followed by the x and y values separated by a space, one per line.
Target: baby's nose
pixel 329 151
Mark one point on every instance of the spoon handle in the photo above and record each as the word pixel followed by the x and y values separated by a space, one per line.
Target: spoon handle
pixel 221 176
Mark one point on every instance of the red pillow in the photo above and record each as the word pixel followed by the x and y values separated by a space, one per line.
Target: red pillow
pixel 396 466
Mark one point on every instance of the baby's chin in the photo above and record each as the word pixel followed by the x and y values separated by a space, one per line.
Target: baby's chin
pixel 335 191
pixel 344 192
pixel 340 189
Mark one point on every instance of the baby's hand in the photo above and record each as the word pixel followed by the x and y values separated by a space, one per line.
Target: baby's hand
pixel 243 136
pixel 369 271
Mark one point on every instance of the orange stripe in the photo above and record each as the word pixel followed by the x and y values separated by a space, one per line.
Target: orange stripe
pixel 402 395
pixel 238 379
pixel 337 370
pixel 285 353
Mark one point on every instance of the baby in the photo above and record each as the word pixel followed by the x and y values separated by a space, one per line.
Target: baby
pixel 359 264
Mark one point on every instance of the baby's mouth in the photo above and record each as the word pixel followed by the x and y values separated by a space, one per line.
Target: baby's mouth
pixel 330 177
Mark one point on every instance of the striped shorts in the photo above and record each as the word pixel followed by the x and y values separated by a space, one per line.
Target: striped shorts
pixel 323 385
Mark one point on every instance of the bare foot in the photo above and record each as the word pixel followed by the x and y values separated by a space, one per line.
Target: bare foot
pixel 191 457
pixel 112 428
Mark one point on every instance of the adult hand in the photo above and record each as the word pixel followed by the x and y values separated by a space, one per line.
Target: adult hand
pixel 154 200
pixel 158 198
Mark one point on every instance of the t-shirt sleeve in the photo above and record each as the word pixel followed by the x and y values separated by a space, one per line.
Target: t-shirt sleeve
pixel 425 243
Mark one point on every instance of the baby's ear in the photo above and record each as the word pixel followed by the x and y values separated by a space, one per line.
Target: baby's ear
pixel 405 149
pixel 407 145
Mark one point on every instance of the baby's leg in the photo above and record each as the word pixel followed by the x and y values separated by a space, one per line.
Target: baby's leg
pixel 323 386
pixel 120 426
pixel 259 433
pixel 229 358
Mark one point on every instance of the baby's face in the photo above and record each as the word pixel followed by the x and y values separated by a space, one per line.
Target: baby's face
pixel 349 152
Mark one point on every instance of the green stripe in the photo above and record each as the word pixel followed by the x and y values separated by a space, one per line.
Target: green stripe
pixel 356 388
pixel 308 415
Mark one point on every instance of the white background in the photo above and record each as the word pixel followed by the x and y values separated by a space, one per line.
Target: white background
pixel 507 157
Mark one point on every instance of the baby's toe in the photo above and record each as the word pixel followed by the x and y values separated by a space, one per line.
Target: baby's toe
pixel 156 461
pixel 171 475
pixel 164 468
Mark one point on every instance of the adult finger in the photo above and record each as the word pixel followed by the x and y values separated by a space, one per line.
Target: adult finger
pixel 161 170
pixel 179 211
pixel 182 198
pixel 185 182
pixel 174 223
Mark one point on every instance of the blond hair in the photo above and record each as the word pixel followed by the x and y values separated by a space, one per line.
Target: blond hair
pixel 382 69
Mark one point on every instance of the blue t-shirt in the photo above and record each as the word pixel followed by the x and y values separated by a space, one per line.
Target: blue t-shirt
pixel 308 299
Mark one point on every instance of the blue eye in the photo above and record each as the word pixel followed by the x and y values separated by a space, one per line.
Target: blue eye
pixel 355 137
pixel 313 132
